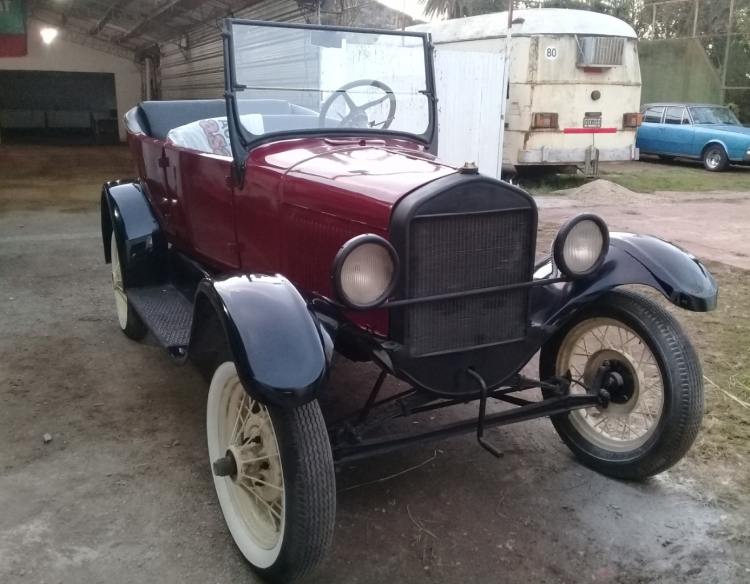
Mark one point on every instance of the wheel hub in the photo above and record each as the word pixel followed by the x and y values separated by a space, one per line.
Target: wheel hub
pixel 621 381
pixel 226 466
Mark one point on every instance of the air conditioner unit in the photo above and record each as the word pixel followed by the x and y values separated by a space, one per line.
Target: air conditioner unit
pixel 600 51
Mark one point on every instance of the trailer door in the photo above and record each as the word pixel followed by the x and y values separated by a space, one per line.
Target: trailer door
pixel 471 90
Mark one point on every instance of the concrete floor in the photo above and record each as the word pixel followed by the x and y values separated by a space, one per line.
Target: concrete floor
pixel 123 493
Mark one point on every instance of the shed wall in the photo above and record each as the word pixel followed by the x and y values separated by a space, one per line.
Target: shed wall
pixel 198 71
pixel 62 55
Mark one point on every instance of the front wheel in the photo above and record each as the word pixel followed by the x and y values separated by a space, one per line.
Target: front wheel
pixel 655 384
pixel 715 159
pixel 277 492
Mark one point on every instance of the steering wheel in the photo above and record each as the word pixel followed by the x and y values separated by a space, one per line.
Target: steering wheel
pixel 357 116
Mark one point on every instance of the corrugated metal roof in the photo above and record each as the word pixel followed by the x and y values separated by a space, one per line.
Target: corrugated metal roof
pixel 540 21
pixel 198 72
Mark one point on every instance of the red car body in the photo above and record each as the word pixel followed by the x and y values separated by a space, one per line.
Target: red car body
pixel 301 200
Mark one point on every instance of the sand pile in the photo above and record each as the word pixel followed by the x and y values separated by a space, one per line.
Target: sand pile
pixel 604 192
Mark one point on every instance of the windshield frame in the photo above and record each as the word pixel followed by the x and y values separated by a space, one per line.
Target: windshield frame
pixel 243 142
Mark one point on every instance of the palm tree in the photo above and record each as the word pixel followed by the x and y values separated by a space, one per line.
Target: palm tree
pixel 447 8
pixel 460 8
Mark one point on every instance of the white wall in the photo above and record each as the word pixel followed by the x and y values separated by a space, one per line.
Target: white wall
pixel 62 55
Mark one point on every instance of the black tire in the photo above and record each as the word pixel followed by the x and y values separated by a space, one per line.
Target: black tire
pixel 666 157
pixel 309 491
pixel 682 382
pixel 715 158
pixel 130 322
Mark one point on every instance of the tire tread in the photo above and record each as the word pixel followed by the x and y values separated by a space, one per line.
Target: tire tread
pixel 682 371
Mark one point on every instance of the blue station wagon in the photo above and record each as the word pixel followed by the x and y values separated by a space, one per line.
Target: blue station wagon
pixel 710 133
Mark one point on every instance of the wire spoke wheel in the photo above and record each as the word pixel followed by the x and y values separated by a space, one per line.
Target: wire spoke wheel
pixel 636 385
pixel 275 483
pixel 130 323
pixel 653 378
pixel 246 433
pixel 121 300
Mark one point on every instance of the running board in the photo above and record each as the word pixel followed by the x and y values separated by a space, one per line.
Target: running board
pixel 167 313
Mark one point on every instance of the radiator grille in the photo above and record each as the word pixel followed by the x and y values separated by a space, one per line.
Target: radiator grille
pixel 459 253
pixel 601 51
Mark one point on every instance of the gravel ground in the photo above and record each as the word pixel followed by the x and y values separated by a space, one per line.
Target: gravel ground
pixel 123 492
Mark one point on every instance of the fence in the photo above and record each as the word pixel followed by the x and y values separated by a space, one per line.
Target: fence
pixel 718 25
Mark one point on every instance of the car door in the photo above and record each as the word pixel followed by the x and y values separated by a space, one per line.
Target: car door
pixel 646 138
pixel 208 197
pixel 154 180
pixel 676 134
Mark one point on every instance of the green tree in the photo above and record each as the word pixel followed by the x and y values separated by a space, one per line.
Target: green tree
pixel 448 8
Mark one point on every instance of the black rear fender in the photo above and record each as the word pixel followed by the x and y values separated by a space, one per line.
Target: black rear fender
pixel 281 350
pixel 143 249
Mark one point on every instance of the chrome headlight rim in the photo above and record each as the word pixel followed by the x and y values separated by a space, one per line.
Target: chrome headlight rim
pixel 338 265
pixel 558 246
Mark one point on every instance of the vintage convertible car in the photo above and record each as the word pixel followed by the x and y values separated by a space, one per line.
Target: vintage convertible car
pixel 305 215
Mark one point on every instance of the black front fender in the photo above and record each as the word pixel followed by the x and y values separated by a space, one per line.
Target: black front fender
pixel 632 259
pixel 281 350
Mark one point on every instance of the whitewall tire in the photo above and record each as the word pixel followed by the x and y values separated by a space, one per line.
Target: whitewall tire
pixel 279 498
pixel 130 323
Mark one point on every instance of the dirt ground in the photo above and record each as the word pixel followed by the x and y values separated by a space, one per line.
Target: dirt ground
pixel 712 225
pixel 123 492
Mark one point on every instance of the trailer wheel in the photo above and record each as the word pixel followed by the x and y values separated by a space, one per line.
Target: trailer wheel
pixel 656 386
pixel 130 323
pixel 274 477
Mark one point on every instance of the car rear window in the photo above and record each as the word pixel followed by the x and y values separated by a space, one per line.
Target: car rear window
pixel 653 115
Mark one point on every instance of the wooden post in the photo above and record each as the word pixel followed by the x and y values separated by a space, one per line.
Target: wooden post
pixel 726 55
pixel 695 19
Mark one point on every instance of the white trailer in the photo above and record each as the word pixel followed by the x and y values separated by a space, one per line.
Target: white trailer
pixel 574 83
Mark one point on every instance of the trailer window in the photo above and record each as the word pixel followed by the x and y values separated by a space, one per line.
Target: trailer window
pixel 601 51
pixel 653 115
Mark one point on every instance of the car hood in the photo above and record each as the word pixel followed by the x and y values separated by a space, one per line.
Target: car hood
pixel 357 180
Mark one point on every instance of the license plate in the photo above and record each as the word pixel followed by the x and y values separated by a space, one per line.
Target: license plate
pixel 592 122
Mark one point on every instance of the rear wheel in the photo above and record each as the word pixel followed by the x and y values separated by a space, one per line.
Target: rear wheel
pixel 715 158
pixel 277 492
pixel 655 385
pixel 130 323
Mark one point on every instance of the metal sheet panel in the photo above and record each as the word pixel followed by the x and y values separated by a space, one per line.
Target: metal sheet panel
pixel 471 90
pixel 198 72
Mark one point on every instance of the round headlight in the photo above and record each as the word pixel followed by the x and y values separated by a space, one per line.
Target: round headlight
pixel 581 245
pixel 364 272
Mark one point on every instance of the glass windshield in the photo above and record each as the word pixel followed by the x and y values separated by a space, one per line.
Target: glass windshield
pixel 714 115
pixel 292 79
